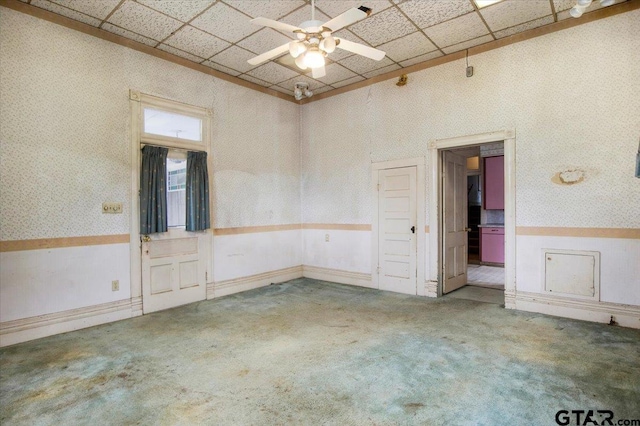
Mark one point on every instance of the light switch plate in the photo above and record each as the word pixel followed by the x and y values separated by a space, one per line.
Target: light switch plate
pixel 112 208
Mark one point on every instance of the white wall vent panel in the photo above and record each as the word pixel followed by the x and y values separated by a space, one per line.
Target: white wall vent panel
pixel 572 273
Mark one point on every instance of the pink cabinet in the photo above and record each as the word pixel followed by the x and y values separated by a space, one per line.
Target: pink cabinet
pixel 492 245
pixel 494 183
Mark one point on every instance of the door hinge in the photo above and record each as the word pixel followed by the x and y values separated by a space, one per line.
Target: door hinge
pixel 378 187
pixel 378 270
pixel 206 276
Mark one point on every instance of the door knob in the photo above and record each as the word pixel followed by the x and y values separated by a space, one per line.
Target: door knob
pixel 146 238
pixel 413 229
pixel 467 229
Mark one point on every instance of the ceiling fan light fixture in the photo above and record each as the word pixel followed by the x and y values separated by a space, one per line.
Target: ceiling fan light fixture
pixel 576 11
pixel 296 48
pixel 300 62
pixel 584 3
pixel 328 44
pixel 313 58
pixel 605 3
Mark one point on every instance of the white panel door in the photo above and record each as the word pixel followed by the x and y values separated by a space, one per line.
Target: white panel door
pixel 455 221
pixel 397 226
pixel 173 269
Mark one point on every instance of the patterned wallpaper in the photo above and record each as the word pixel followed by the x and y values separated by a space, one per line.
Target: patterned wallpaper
pixel 573 98
pixel 64 133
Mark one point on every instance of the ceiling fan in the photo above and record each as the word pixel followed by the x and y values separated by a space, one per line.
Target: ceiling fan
pixel 315 40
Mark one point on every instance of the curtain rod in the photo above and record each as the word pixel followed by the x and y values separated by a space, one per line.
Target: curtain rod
pixel 170 147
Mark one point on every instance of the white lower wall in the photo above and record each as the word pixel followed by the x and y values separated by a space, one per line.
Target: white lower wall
pixel 619 264
pixel 39 282
pixel 345 251
pixel 242 255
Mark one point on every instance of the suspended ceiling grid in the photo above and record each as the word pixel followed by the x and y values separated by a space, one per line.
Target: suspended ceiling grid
pixel 218 34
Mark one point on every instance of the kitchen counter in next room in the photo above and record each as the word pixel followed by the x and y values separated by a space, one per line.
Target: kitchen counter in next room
pixel 491 225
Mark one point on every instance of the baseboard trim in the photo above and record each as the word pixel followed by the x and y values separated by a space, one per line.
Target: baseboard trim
pixel 236 285
pixel 337 276
pixel 22 330
pixel 587 310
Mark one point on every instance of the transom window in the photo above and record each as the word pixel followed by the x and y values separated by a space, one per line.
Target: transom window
pixel 171 124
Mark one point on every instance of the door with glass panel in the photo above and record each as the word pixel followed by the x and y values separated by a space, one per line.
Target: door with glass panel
pixel 173 260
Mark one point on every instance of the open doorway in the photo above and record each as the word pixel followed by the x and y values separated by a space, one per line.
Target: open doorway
pixel 476 195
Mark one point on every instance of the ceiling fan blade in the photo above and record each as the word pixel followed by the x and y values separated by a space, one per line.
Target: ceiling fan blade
pixel 266 22
pixel 269 55
pixel 347 18
pixel 318 72
pixel 361 49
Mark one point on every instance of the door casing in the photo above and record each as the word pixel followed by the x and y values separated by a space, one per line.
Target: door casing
pixel 136 101
pixel 436 148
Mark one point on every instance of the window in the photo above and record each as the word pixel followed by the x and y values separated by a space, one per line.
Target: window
pixel 176 188
pixel 164 123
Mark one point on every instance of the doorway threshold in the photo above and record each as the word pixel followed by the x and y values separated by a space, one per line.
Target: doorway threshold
pixel 478 294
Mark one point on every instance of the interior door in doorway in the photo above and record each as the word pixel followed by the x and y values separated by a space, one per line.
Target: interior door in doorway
pixel 397 254
pixel 455 221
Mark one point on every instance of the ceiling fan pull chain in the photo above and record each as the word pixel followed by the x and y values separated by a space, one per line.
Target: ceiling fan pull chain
pixel 313 10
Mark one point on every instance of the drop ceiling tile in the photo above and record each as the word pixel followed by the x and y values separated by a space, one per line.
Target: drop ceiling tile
pixel 225 22
pixel 236 58
pixel 334 8
pixel 255 80
pixel 382 27
pixel 524 27
pixel 263 41
pixel 196 42
pixel 421 58
pixel 313 84
pixel 360 64
pixel 282 90
pixel 426 13
pixel 467 44
pixel 272 72
pixel 303 14
pixel 348 81
pixel 221 68
pixel 380 71
pixel 272 9
pixel 336 72
pixel 561 5
pixel 180 53
pixel 509 13
pixel 408 47
pixel 183 10
pixel 144 21
pixel 128 34
pixel 60 10
pixel 457 30
pixel 97 8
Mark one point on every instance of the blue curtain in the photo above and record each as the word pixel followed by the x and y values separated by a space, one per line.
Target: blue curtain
pixel 197 192
pixel 153 190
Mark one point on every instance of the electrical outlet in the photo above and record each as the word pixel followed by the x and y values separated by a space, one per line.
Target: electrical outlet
pixel 112 208
pixel 326 237
pixel 115 285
